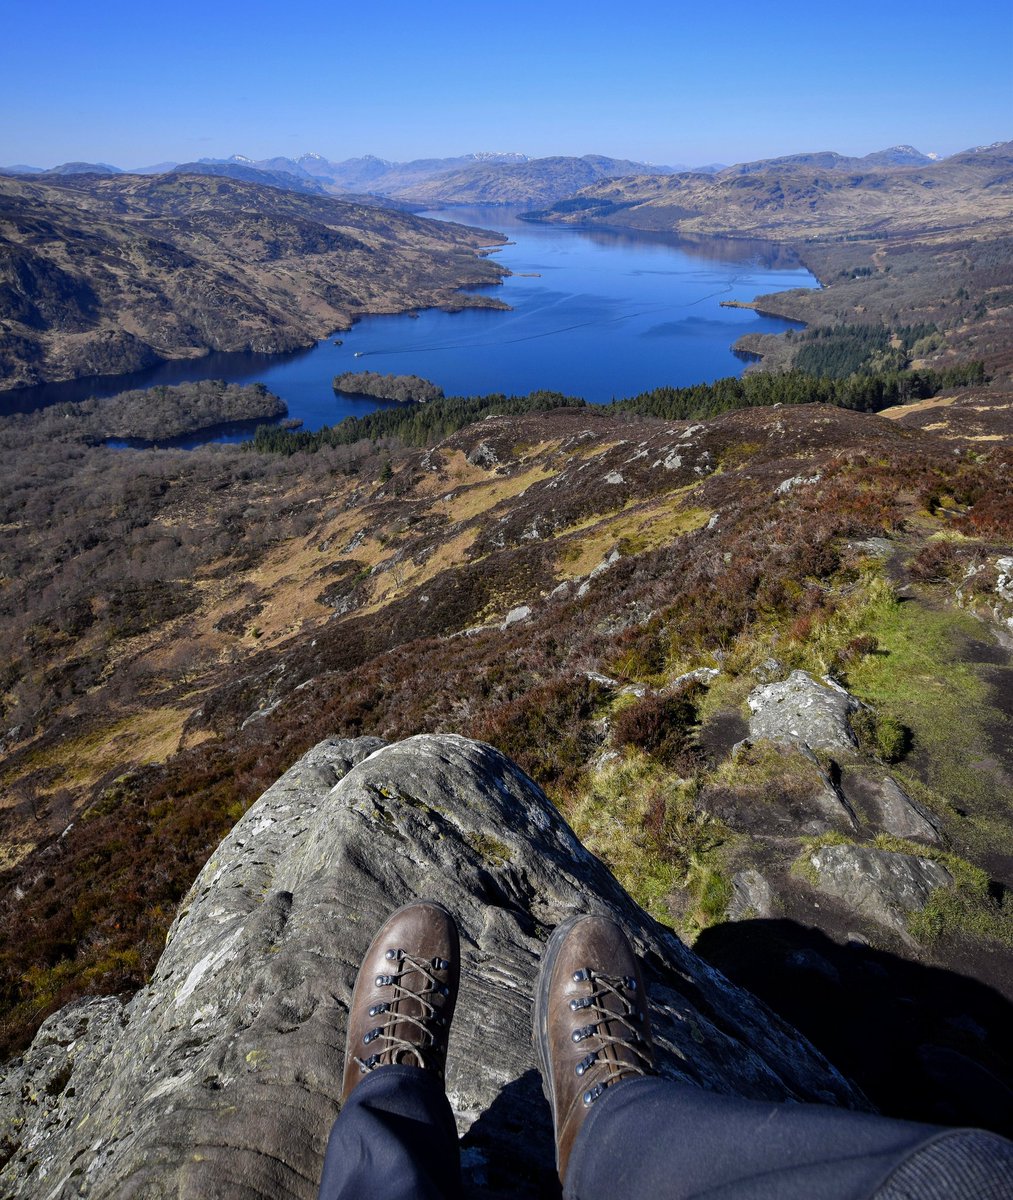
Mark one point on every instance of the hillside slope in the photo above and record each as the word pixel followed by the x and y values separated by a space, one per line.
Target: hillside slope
pixel 602 596
pixel 789 201
pixel 537 181
pixel 104 275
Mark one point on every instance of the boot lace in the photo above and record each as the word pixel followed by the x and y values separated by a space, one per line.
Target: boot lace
pixel 400 1049
pixel 621 1029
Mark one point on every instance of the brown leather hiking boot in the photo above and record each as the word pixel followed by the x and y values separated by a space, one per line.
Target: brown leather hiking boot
pixel 591 1028
pixel 405 994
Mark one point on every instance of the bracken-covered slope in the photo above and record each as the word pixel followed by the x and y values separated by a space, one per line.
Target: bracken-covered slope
pixel 104 275
pixel 606 598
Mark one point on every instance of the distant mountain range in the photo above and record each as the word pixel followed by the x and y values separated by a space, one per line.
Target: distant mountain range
pixel 805 196
pixel 830 160
pixel 490 178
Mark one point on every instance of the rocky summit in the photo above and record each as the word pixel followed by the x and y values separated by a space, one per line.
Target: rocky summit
pixel 221 1076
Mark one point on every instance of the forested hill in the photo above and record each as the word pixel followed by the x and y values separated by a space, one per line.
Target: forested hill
pixel 108 274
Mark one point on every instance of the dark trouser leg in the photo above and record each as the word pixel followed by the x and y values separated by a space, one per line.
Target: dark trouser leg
pixel 669 1141
pixel 395 1139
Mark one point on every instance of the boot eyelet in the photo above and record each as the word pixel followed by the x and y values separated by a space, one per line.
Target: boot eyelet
pixel 592 1094
pixel 371 1036
pixel 383 980
pixel 582 975
pixel 578 1004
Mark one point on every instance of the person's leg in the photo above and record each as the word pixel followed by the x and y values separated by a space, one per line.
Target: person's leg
pixel 653 1137
pixel 394 1139
pixel 624 1133
pixel 395 1135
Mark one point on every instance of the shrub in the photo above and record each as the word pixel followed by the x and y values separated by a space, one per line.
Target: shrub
pixel 661 726
pixel 549 730
pixel 880 734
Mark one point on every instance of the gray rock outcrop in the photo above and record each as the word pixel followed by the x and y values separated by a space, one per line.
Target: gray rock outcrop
pixel 892 810
pixel 220 1078
pixel 804 710
pixel 751 896
pixel 883 885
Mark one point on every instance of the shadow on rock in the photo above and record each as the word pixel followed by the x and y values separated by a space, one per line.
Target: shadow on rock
pixel 923 1043
pixel 510 1150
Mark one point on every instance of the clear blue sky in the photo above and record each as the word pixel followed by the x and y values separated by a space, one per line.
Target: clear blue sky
pixel 132 83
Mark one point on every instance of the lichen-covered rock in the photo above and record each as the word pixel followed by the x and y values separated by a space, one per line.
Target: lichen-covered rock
pixel 806 710
pixel 220 1078
pixel 880 884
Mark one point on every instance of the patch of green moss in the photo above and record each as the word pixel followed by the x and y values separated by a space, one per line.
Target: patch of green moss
pixel 492 850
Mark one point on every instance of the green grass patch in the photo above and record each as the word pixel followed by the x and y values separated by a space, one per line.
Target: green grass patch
pixel 771 773
pixel 916 680
pixel 645 826
pixel 968 907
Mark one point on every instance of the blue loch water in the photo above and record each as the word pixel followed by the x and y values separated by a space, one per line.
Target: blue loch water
pixel 595 313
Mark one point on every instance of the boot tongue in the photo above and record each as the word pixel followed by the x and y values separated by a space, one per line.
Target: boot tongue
pixel 610 1052
pixel 409 1006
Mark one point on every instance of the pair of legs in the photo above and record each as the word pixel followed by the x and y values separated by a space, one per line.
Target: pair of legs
pixel 621 1131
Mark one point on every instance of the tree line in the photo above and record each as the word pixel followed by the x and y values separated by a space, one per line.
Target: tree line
pixel 416 426
pixel 422 426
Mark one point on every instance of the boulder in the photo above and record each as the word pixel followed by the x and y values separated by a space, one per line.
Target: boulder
pixel 483 455
pixel 516 615
pixel 751 896
pixel 892 810
pixel 221 1077
pixel 804 710
pixel 883 885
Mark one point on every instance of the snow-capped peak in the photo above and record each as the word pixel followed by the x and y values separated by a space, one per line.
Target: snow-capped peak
pixel 240 158
pixel 312 156
pixel 499 155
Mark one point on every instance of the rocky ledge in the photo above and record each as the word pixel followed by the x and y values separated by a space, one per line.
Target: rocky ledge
pixel 221 1077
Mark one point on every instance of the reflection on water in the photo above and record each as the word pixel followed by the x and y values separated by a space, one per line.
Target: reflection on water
pixel 598 313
